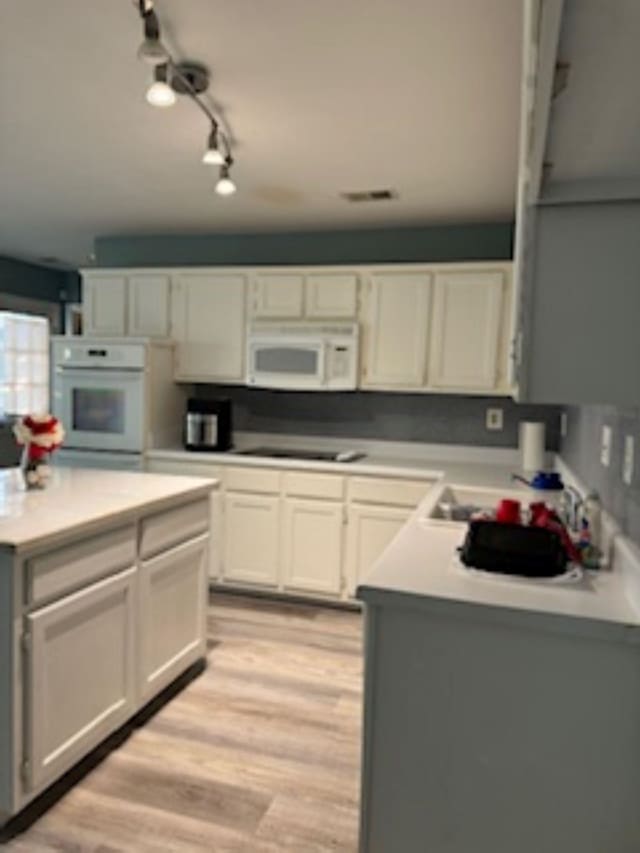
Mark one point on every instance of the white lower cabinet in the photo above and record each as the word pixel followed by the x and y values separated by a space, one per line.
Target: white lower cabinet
pixel 369 530
pixel 172 607
pixel 80 674
pixel 251 538
pixel 313 534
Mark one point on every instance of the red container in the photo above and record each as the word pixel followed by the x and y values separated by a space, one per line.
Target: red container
pixel 508 511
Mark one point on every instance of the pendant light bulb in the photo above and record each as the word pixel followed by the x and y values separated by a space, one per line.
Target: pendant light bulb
pixel 160 93
pixel 225 185
pixel 213 156
pixel 152 50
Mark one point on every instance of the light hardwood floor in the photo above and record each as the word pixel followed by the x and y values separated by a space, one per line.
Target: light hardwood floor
pixel 260 753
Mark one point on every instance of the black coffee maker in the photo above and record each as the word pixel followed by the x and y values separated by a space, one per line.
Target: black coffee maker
pixel 207 425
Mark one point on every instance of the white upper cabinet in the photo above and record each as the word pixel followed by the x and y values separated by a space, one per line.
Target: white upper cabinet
pixel 296 294
pixel 148 299
pixel 104 300
pixel 331 295
pixel 208 325
pixel 121 304
pixel 278 295
pixel 397 329
pixel 466 342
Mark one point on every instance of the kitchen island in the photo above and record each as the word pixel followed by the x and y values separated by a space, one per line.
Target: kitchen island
pixel 103 591
pixel 501 714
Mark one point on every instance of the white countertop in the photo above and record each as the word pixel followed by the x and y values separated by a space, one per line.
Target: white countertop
pixel 383 458
pixel 422 562
pixel 77 498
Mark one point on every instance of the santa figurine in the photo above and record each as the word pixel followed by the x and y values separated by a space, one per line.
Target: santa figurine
pixel 39 435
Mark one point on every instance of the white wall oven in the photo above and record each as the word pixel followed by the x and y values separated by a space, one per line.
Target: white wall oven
pixel 116 400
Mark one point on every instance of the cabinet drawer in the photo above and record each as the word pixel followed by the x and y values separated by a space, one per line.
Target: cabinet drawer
pixel 305 485
pixel 379 490
pixel 264 480
pixel 169 528
pixel 73 566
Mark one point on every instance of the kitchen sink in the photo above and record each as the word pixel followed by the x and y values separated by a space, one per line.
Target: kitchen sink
pixel 454 505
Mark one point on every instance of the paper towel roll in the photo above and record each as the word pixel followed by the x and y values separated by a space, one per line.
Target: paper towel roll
pixel 532 445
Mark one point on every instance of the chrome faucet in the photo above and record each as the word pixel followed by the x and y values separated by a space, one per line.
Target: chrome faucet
pixel 570 503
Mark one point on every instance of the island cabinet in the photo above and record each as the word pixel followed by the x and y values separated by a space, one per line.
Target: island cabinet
pixel 92 626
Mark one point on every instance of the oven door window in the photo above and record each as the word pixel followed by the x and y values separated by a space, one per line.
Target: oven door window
pixel 99 410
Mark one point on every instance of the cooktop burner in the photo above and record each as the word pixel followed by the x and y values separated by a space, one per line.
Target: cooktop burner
pixel 313 455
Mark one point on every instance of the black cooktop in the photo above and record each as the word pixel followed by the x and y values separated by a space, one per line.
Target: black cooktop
pixel 313 455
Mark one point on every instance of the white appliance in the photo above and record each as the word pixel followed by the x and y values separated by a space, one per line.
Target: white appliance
pixel 303 356
pixel 115 398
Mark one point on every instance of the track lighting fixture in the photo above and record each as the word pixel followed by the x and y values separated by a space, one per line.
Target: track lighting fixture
pixel 151 50
pixel 225 185
pixel 189 79
pixel 213 156
pixel 160 93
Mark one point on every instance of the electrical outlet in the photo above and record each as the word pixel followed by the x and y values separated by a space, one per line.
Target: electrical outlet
pixel 627 465
pixel 564 425
pixel 605 446
pixel 495 419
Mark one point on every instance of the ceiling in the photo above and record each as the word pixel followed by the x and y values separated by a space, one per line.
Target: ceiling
pixel 421 96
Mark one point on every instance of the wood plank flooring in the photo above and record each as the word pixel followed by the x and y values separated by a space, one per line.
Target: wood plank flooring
pixel 259 754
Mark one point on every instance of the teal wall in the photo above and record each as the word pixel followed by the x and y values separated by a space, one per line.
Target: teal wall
pixel 20 278
pixel 474 242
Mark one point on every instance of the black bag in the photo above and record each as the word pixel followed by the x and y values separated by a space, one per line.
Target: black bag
pixel 513 549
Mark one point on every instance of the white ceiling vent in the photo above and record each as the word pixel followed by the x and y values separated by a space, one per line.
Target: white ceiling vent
pixel 369 195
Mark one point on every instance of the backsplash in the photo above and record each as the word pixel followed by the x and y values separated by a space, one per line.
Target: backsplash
pixel 581 451
pixel 437 419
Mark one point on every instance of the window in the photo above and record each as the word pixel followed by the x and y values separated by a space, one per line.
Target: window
pixel 24 363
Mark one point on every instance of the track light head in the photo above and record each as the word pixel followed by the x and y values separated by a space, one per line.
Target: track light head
pixel 225 185
pixel 160 93
pixel 213 156
pixel 152 50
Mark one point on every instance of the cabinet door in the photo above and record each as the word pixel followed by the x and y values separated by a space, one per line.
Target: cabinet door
pixel 370 529
pixel 80 674
pixel 104 305
pixel 397 330
pixel 278 295
pixel 313 545
pixel 251 538
pixel 208 324
pixel 329 295
pixel 172 614
pixel 467 324
pixel 148 299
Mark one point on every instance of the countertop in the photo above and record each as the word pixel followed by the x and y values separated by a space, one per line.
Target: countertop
pixel 78 498
pixel 422 563
pixel 471 465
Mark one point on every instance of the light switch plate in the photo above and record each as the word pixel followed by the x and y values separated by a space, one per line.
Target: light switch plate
pixel 495 419
pixel 605 446
pixel 627 465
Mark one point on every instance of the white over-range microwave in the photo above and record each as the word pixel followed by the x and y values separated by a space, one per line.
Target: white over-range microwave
pixel 303 356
